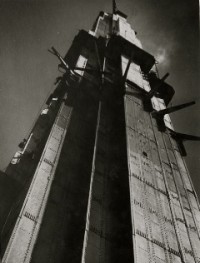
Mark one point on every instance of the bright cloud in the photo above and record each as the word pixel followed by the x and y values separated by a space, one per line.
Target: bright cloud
pixel 162 56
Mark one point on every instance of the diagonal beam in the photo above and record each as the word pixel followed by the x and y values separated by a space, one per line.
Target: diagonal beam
pixel 63 63
pixel 161 113
pixel 65 66
pixel 153 91
pixel 185 137
pixel 180 138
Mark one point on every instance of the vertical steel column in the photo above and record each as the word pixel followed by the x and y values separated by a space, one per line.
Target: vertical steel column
pixel 24 235
pixel 91 188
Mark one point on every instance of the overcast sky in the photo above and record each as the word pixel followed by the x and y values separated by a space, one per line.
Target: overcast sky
pixel 168 30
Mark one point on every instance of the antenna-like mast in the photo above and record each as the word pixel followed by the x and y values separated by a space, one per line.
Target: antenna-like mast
pixel 114 6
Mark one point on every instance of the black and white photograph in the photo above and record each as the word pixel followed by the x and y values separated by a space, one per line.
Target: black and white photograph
pixel 99 131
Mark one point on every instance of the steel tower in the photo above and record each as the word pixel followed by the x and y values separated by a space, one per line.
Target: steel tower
pixel 101 176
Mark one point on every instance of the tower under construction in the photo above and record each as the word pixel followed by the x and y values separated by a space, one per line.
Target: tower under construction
pixel 101 178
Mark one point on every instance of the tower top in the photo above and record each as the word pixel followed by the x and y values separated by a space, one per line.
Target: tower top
pixel 116 10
